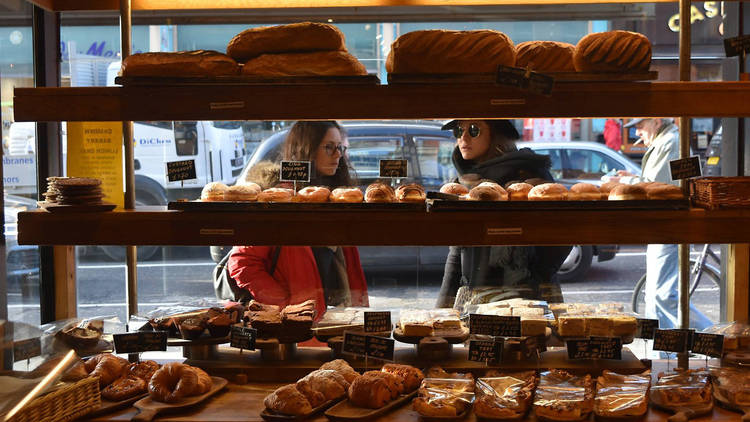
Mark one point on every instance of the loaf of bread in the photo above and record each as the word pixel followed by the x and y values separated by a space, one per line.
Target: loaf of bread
pixel 613 51
pixel 321 63
pixel 296 37
pixel 440 51
pixel 182 63
pixel 546 56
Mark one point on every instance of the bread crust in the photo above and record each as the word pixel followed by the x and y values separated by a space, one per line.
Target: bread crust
pixel 197 63
pixel 295 37
pixel 664 192
pixel 519 191
pixel 410 193
pixel 584 192
pixel 627 192
pixel 379 192
pixel 548 192
pixel 275 195
pixel 288 400
pixel 321 63
pixel 454 189
pixel 441 51
pixel 313 194
pixel 546 56
pixel 613 51
pixel 488 191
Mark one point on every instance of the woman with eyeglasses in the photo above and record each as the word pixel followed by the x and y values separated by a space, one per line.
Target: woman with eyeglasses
pixel 332 275
pixel 486 150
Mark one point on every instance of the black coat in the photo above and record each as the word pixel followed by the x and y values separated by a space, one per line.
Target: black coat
pixel 517 271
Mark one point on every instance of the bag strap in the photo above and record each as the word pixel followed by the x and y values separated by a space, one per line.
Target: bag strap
pixel 275 259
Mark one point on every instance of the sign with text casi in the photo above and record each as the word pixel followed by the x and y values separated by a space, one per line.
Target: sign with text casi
pixel 95 150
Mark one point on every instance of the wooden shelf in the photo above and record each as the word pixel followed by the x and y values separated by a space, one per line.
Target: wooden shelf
pixel 158 226
pixel 434 101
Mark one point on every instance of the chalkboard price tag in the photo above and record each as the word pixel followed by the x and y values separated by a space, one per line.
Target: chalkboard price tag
pixel 671 340
pixel 379 347
pixel 495 325
pixel 378 322
pixel 646 328
pixel 141 341
pixel 525 79
pixel 708 344
pixel 181 170
pixel 396 169
pixel 737 45
pixel 595 348
pixel 486 350
pixel 295 171
pixel 26 349
pixel 685 168
pixel 243 337
pixel 354 344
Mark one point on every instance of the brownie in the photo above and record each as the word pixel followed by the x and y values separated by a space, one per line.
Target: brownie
pixel 296 320
pixel 219 325
pixel 268 323
pixel 257 306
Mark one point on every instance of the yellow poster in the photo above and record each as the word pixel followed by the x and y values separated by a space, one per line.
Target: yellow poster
pixel 95 150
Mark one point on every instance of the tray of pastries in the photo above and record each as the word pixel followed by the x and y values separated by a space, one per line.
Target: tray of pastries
pixel 415 325
pixel 736 336
pixel 732 389
pixel 536 319
pixel 561 396
pixel 687 393
pixel 338 320
pixel 377 392
pixel 621 397
pixel 576 320
pixel 196 325
pixel 444 396
pixel 504 396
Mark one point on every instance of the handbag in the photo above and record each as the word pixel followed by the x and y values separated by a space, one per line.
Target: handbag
pixel 226 288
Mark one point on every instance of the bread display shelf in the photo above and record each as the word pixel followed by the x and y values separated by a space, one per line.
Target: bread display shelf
pixel 226 206
pixel 52 207
pixel 272 416
pixel 148 408
pixel 489 78
pixel 246 80
pixel 403 101
pixel 158 226
pixel 645 205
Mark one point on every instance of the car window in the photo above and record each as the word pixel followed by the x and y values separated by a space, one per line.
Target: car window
pixel 588 164
pixel 435 160
pixel 365 153
pixel 555 158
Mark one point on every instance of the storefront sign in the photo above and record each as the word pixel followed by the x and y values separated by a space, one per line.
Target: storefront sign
pixel 711 10
pixel 378 322
pixel 295 171
pixel 595 348
pixel 395 169
pixel 495 325
pixel 486 350
pixel 95 150
pixel 181 170
pixel 646 328
pixel 708 344
pixel 685 168
pixel 525 79
pixel 242 337
pixel 142 341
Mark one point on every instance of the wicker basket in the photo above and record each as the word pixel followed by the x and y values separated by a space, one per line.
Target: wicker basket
pixel 63 405
pixel 721 192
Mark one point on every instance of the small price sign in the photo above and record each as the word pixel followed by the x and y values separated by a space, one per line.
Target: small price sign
pixel 396 169
pixel 685 168
pixel 295 171
pixel 181 170
pixel 737 45
pixel 242 337
pixel 379 347
pixel 595 348
pixel 354 344
pixel 486 350
pixel 525 79
pixel 378 322
pixel 676 341
pixel 646 328
pixel 708 344
pixel 495 325
pixel 27 349
pixel 141 341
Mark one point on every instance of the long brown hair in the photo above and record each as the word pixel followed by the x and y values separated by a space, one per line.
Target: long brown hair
pixel 302 143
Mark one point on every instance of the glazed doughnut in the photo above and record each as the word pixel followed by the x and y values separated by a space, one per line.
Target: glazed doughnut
pixel 627 192
pixel 172 382
pixel 488 191
pixel 410 193
pixel 313 194
pixel 379 192
pixel 664 191
pixel 107 367
pixel 519 191
pixel 584 192
pixel 275 195
pixel 548 192
pixel 237 193
pixel 350 195
pixel 454 189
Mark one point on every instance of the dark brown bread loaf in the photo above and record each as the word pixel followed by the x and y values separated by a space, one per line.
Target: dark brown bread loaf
pixel 613 51
pixel 440 51
pixel 295 37
pixel 322 63
pixel 546 56
pixel 182 63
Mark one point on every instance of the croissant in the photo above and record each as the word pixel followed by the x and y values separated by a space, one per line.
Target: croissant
pixel 172 382
pixel 107 367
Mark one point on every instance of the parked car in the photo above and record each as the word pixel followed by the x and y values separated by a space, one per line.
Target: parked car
pixel 428 150
pixel 21 261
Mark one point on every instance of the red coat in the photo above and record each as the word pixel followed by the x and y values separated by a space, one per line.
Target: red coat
pixel 296 278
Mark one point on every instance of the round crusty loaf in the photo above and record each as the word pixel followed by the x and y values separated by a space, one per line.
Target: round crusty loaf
pixel 440 51
pixel 613 51
pixel 627 192
pixel 546 56
pixel 295 37
pixel 548 192
pixel 321 63
pixel 195 63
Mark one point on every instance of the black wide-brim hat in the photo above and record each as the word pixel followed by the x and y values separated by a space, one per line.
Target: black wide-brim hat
pixel 503 126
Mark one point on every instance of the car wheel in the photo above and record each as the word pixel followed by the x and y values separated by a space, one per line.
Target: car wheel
pixel 577 263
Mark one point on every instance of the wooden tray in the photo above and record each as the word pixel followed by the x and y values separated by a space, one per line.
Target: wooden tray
pixel 451 336
pixel 490 78
pixel 148 409
pixel 546 419
pixel 110 406
pixel 436 205
pixel 517 418
pixel 246 80
pixel 727 404
pixel 58 208
pixel 446 418
pixel 346 411
pixel 682 413
pixel 292 206
pixel 272 416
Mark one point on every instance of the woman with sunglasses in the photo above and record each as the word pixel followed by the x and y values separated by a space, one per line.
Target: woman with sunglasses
pixel 486 149
pixel 332 275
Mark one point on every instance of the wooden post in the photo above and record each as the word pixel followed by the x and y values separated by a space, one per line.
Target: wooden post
pixel 738 282
pixel 683 311
pixel 65 282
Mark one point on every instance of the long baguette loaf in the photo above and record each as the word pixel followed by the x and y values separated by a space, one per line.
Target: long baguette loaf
pixel 613 51
pixel 295 37
pixel 546 56
pixel 440 51
pixel 183 63
pixel 322 63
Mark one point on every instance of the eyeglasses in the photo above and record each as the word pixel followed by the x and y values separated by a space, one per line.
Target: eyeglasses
pixel 474 131
pixel 331 148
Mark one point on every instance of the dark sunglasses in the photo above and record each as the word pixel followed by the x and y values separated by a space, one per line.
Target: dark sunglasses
pixel 458 131
pixel 330 149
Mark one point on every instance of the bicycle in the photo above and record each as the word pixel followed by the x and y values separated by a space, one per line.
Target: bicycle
pixel 698 268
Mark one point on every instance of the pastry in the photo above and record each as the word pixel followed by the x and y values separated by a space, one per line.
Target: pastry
pixel 561 396
pixel 606 188
pixel 288 400
pixel 533 326
pixel 192 328
pixel 627 193
pixel 276 195
pixel 220 325
pixel 410 193
pixel 380 192
pixel 144 369
pixel 296 37
pixel 410 376
pixel 107 367
pixel 416 323
pixel 664 191
pixel 444 397
pixel 319 63
pixel 519 191
pixel 313 194
pixel 342 367
pixel 242 193
pixel 488 191
pixel 445 319
pixel 613 51
pixel 454 189
pixel 584 192
pixel 374 389
pixel 688 387
pixel 198 63
pixel 268 323
pixel 624 325
pixel 545 56
pixel 172 382
pixel 733 384
pixel 621 396
pixel 350 195
pixel 124 388
pixel 504 396
pixel 81 336
pixel 548 192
